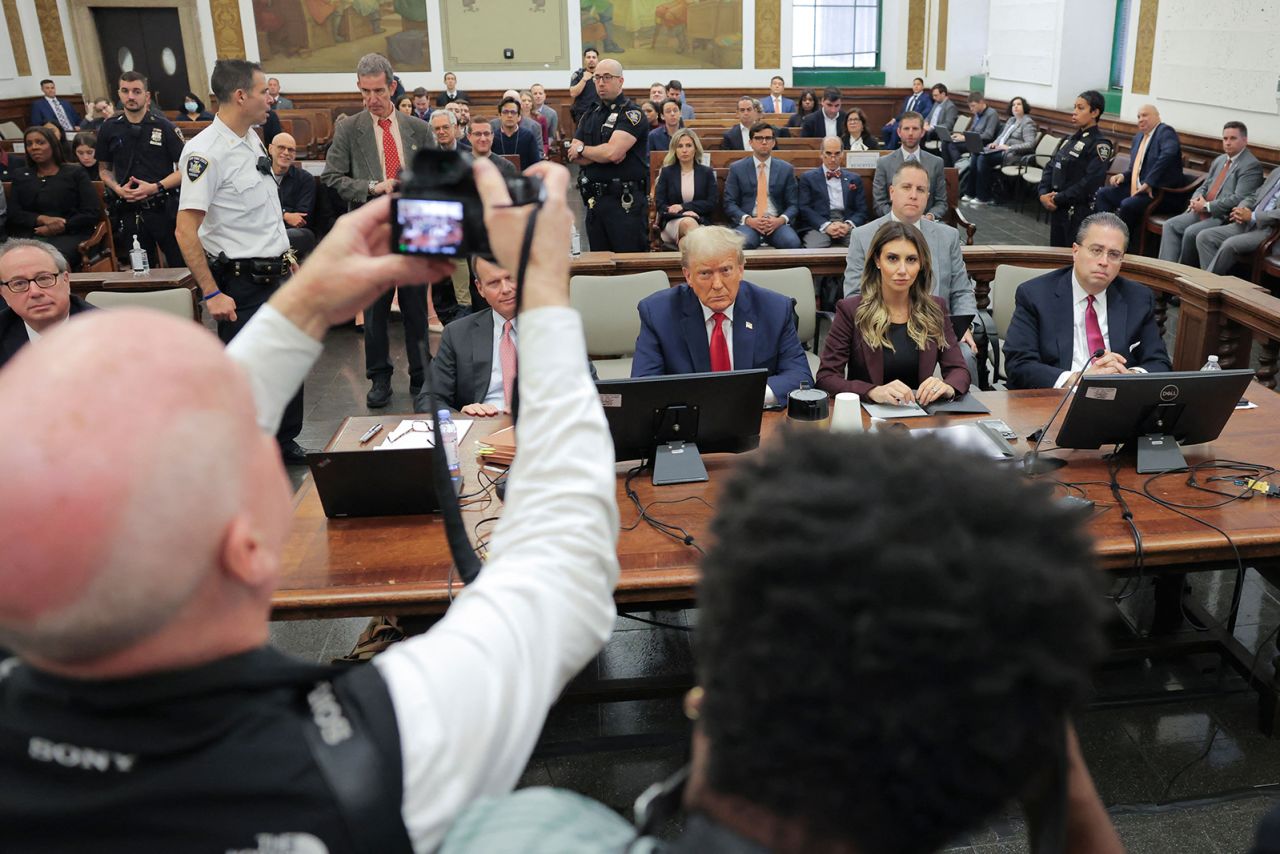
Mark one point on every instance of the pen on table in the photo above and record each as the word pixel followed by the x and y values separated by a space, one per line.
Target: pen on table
pixel 370 433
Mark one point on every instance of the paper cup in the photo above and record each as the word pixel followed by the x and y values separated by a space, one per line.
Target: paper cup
pixel 846 416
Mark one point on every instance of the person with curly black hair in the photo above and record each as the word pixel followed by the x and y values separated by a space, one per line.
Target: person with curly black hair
pixel 865 687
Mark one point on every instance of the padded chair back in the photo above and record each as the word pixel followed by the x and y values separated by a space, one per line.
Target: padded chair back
pixel 797 283
pixel 962 124
pixel 175 301
pixel 1003 288
pixel 608 308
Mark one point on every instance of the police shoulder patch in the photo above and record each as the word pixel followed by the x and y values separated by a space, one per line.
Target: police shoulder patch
pixel 196 166
pixel 1105 150
pixel 178 131
pixel 634 116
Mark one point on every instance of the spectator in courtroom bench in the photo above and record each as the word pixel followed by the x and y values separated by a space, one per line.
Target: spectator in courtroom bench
pixel 652 116
pixel 832 201
pixel 481 139
pixel 886 342
pixel 909 192
pixel 738 137
pixel 683 329
pixel 917 102
pixel 1076 171
pixel 941 117
pixel 806 105
pixel 421 104
pixel 675 91
pixel 529 113
pixel 50 109
pixel 232 738
pixel 985 123
pixel 462 112
pixel 761 196
pixel 406 105
pixel 776 102
pixel 510 138
pixel 1156 163
pixel 278 101
pixel 36 287
pixel 685 193
pixel 582 85
pixel 910 129
pixel 857 136
pixel 779 716
pixel 526 123
pixel 364 161
pixel 99 111
pixel 661 136
pixel 444 127
pixel 546 111
pixel 193 110
pixel 1232 177
pixel 657 92
pixel 451 91
pixel 1247 226
pixel 297 194
pixel 1015 141
pixel 1102 310
pixel 84 146
pixel 828 120
pixel 52 201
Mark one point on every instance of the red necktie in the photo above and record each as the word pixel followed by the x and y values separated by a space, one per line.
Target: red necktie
pixel 831 176
pixel 390 157
pixel 1092 331
pixel 719 346
pixel 507 359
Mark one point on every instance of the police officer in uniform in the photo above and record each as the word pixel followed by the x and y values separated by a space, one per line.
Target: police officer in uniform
pixel 136 154
pixel 1077 170
pixel 582 85
pixel 230 223
pixel 610 148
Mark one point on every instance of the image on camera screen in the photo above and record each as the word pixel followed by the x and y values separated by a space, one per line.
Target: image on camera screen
pixel 429 226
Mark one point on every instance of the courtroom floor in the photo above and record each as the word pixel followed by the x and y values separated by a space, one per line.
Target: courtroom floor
pixel 1184 776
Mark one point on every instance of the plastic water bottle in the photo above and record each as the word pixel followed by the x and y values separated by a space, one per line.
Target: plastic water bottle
pixel 575 242
pixel 138 259
pixel 449 438
pixel 1212 364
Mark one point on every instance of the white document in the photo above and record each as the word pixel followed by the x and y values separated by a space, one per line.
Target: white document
pixel 417 433
pixel 889 410
pixel 861 159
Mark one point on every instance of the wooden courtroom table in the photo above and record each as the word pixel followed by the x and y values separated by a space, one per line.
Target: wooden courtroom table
pixel 154 280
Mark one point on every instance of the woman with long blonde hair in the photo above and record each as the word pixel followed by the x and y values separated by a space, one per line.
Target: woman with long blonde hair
pixel 886 342
pixel 685 194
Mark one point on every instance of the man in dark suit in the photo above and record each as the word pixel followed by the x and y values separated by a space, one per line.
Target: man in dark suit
pixel 777 102
pixel 832 202
pixel 763 213
pixel 53 109
pixel 738 137
pixel 828 119
pixel 719 322
pixel 451 91
pixel 421 104
pixel 364 160
pixel 36 293
pixel 917 102
pixel 1156 163
pixel 1062 318
pixel 297 189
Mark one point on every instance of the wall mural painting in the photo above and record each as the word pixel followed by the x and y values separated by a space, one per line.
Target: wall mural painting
pixel 304 36
pixel 666 34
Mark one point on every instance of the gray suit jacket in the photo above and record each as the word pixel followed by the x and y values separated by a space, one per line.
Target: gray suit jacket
pixel 461 368
pixel 887 165
pixel 1021 141
pixel 947 116
pixel 553 121
pixel 283 103
pixel 950 277
pixel 1243 179
pixel 1271 217
pixel 352 161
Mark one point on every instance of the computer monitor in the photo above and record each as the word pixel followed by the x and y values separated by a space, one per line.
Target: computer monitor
pixel 673 420
pixel 1157 412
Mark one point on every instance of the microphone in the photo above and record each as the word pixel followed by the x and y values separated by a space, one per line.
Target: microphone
pixel 1032 463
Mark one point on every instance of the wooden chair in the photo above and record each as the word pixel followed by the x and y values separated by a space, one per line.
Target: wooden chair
pixel 1167 202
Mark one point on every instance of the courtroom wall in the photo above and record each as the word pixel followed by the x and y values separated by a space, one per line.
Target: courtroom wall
pixel 1048 51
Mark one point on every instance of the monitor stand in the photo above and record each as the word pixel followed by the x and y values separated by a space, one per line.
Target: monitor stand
pixel 677 462
pixel 1158 452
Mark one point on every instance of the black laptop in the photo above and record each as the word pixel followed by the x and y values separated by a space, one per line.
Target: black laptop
pixel 373 482
pixel 973 142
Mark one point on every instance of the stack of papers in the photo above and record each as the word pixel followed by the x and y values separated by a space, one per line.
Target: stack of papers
pixel 499 449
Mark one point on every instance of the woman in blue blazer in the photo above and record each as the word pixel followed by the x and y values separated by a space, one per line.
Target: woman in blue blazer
pixel 685 194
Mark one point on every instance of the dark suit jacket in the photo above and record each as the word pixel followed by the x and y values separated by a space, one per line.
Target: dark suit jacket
pixel 673 337
pixel 41 112
pixel 850 364
pixel 1162 164
pixel 1039 342
pixel 815 203
pixel 13 334
pixel 788 105
pixel 815 124
pixel 667 192
pixel 921 104
pixel 461 367
pixel 740 190
pixel 731 139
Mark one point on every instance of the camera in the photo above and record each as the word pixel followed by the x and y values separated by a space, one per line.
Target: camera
pixel 438 212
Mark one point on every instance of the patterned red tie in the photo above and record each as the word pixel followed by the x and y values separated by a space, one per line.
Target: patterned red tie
pixel 390 156
pixel 833 176
pixel 719 346
pixel 1092 331
pixel 507 359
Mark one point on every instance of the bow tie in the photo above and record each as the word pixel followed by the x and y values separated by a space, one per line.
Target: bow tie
pixel 831 175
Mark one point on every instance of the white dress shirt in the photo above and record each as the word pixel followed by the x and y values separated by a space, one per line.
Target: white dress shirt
pixel 833 125
pixel 769 399
pixel 471 695
pixel 746 137
pixel 496 395
pixel 34 336
pixel 1080 351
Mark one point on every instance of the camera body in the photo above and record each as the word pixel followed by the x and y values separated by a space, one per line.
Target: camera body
pixel 438 212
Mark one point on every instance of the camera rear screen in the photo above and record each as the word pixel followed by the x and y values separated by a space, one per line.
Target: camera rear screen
pixel 429 226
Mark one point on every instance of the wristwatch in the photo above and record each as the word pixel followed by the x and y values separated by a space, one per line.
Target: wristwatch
pixel 372 185
pixel 582 146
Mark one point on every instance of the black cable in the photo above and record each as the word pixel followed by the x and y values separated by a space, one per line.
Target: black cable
pixel 660 625
pixel 1208 747
pixel 1139 558
pixel 672 530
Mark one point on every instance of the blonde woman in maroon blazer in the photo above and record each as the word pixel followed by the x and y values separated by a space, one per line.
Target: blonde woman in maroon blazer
pixel 886 342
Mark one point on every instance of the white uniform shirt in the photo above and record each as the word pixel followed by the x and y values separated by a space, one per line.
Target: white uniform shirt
pixel 220 176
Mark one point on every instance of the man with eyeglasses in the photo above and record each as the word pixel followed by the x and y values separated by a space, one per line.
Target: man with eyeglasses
pixel 36 288
pixel 610 146
pixel 481 138
pixel 761 196
pixel 1107 313
pixel 513 134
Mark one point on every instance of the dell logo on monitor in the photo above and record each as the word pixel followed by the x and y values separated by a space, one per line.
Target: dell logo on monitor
pixel 1169 393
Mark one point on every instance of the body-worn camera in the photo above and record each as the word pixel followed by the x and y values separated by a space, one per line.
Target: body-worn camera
pixel 438 211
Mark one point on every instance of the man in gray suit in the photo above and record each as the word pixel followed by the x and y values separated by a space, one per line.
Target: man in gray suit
pixel 908 194
pixel 941 117
pixel 910 131
pixel 763 217
pixel 1248 225
pixel 541 107
pixel 364 160
pixel 1233 175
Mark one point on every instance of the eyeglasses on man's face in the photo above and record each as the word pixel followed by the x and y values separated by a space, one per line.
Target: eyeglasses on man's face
pixel 41 280
pixel 1096 251
pixel 607 77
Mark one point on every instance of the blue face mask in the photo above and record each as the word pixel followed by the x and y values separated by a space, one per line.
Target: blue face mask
pixel 190 106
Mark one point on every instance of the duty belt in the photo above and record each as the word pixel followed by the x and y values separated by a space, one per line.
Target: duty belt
pixel 625 190
pixel 257 269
